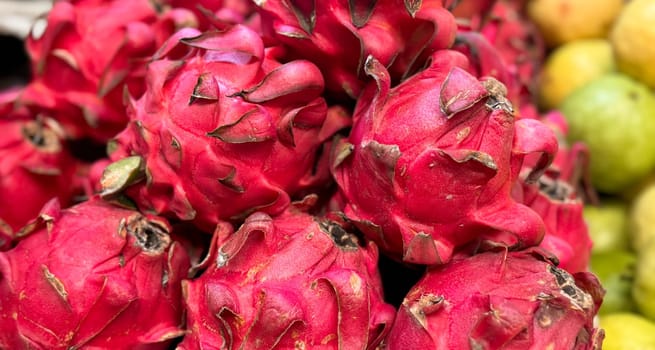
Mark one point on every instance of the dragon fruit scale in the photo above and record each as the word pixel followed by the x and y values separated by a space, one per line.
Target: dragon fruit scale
pixel 92 276
pixel 222 131
pixel 85 52
pixel 288 282
pixel 36 166
pixel 429 164
pixel 500 300
pixel 338 36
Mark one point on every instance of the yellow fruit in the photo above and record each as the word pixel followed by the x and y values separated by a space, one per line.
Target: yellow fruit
pixel 572 65
pixel 642 218
pixel 615 116
pixel 562 21
pixel 633 39
pixel 643 286
pixel 627 331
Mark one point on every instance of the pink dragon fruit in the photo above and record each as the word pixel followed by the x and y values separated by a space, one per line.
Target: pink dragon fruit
pixel 429 164
pixel 339 35
pixel 87 52
pixel 290 282
pixel 222 130
pixel 219 14
pixel 499 300
pixel 558 197
pixel 519 42
pixel 36 166
pixel 92 276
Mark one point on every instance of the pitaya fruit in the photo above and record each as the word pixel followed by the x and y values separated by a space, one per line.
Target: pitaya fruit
pixel 218 14
pixel 339 35
pixel 36 166
pixel 222 131
pixel 519 43
pixel 499 300
pixel 558 197
pixel 85 55
pixel 289 282
pixel 429 164
pixel 92 276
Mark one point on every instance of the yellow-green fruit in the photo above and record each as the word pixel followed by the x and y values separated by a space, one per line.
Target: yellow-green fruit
pixel 633 38
pixel 615 116
pixel 572 65
pixel 561 21
pixel 627 331
pixel 615 270
pixel 642 218
pixel 608 226
pixel 643 287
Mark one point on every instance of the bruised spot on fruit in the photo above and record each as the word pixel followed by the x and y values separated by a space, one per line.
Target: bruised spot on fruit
pixel 555 189
pixel 497 95
pixel 426 304
pixel 45 140
pixel 578 297
pixel 55 282
pixel 341 237
pixel 150 236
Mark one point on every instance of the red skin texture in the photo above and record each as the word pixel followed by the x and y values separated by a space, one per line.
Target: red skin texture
pixel 499 300
pixel 283 283
pixel 88 52
pixel 78 279
pixel 340 39
pixel 429 164
pixel 246 141
pixel 559 195
pixel 31 174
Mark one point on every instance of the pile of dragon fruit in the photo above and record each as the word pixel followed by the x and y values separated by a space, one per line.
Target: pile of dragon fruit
pixel 290 174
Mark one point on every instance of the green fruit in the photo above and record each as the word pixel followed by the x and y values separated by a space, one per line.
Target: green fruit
pixel 627 331
pixel 642 218
pixel 615 270
pixel 643 288
pixel 608 226
pixel 615 116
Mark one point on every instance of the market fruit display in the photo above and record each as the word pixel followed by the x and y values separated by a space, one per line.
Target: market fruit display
pixel 290 174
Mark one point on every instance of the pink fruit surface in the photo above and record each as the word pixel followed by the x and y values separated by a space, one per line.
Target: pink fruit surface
pixel 499 300
pixel 429 165
pixel 223 129
pixel 92 276
pixel 288 282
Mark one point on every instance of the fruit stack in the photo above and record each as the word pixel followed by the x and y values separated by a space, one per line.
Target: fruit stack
pixel 289 174
pixel 600 75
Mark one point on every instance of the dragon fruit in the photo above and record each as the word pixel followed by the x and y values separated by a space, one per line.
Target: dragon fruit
pixel 290 282
pixel 219 14
pixel 92 276
pixel 87 52
pixel 222 130
pixel 338 36
pixel 519 42
pixel 558 197
pixel 36 166
pixel 499 300
pixel 429 164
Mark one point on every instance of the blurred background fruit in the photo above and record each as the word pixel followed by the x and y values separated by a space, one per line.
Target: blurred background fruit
pixel 615 269
pixel 562 21
pixel 628 331
pixel 571 66
pixel 642 218
pixel 608 225
pixel 615 116
pixel 632 37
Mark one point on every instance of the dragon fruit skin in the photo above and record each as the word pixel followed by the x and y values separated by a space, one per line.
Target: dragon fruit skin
pixel 92 276
pixel 224 132
pixel 218 14
pixel 87 53
pixel 558 196
pixel 36 166
pixel 338 36
pixel 429 164
pixel 289 282
pixel 500 300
